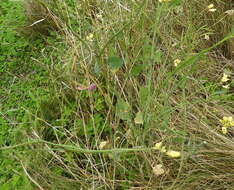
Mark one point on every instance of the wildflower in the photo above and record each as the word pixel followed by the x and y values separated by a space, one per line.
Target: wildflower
pixel 99 16
pixel 226 86
pixel 227 121
pixel 91 87
pixel 90 37
pixel 157 146
pixel 173 154
pixel 225 78
pixel 176 62
pixel 103 144
pixel 211 8
pixel 224 130
pixel 158 170
pixel 163 149
pixel 206 37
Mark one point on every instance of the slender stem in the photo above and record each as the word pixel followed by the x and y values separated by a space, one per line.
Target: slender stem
pixel 76 149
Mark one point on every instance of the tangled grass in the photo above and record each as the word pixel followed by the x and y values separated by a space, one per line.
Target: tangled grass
pixel 103 138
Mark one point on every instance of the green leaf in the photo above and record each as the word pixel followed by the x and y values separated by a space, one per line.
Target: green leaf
pixel 158 56
pixel 181 133
pixel 136 70
pixel 114 63
pixel 178 139
pixel 123 110
pixel 175 3
pixel 180 136
pixel 143 95
pixel 147 52
pixel 139 118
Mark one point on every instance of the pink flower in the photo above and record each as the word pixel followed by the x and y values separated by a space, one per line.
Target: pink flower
pixel 91 87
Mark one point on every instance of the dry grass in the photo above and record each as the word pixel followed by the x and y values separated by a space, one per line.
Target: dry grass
pixel 182 109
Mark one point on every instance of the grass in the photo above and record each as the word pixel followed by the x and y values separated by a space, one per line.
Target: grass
pixel 98 89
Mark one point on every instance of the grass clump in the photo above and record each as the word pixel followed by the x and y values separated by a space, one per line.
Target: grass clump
pixel 135 96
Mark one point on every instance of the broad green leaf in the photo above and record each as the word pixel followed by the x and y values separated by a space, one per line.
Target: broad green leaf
pixel 136 70
pixel 139 118
pixel 114 63
pixel 123 110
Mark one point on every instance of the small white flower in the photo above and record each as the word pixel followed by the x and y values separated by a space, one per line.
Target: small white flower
pixel 99 16
pixel 103 144
pixel 212 10
pixel 226 86
pixel 158 170
pixel 206 37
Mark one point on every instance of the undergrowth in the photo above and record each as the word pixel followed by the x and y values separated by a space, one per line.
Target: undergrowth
pixel 124 95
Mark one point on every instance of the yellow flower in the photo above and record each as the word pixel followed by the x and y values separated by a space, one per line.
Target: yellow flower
pixel 173 154
pixel 228 118
pixel 90 37
pixel 210 6
pixel 227 121
pixel 176 62
pixel 163 149
pixel 157 146
pixel 224 130
pixel 225 78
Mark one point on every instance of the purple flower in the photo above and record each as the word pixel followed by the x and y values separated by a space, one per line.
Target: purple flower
pixel 92 87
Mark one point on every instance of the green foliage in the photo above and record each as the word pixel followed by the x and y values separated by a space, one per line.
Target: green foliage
pixel 15 181
pixel 123 110
pixel 13 46
pixel 16 73
pixel 115 63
